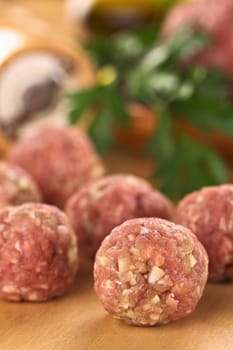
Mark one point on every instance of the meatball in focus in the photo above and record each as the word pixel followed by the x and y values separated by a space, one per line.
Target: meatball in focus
pixel 16 186
pixel 60 160
pixel 38 253
pixel 105 203
pixel 150 271
pixel 209 214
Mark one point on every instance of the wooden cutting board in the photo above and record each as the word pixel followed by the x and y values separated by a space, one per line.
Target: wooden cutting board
pixel 77 320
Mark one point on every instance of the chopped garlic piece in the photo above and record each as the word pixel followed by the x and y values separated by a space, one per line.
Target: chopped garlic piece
pixel 154 317
pixel 96 193
pixel 144 231
pixel 155 300
pixel 134 251
pixel 155 275
pixel 131 278
pixel 72 254
pixel 192 260
pixel 130 314
pixel 103 260
pixel 123 265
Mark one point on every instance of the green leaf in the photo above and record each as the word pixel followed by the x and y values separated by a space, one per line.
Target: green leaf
pixel 151 73
pixel 77 110
pixel 184 91
pixel 189 167
pixel 217 167
pixel 88 95
pixel 148 34
pixel 163 83
pixel 100 96
pixel 207 114
pixel 167 170
pixel 209 83
pixel 116 104
pixel 80 105
pixel 155 58
pixel 74 116
pixel 81 101
pixel 184 43
pixel 153 87
pixel 128 46
pixel 161 143
pixel 101 132
pixel 101 50
pixel 122 48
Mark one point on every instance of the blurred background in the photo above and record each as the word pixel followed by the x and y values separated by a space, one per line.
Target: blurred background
pixel 149 80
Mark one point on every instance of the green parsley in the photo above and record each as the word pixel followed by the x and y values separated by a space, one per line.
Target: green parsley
pixel 138 66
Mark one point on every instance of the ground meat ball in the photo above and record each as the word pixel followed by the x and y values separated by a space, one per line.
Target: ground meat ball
pixel 209 214
pixel 60 160
pixel 106 203
pixel 150 271
pixel 16 186
pixel 38 252
pixel 214 17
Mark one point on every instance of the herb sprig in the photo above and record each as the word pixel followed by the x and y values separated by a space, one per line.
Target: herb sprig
pixel 140 67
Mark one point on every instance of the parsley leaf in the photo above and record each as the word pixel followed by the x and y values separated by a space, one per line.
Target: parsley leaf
pixel 155 72
pixel 101 132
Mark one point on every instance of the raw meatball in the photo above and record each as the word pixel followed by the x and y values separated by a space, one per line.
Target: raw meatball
pixel 209 214
pixel 105 203
pixel 60 160
pixel 216 18
pixel 38 252
pixel 16 186
pixel 150 271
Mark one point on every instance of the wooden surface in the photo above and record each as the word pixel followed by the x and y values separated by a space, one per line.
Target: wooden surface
pixel 77 320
